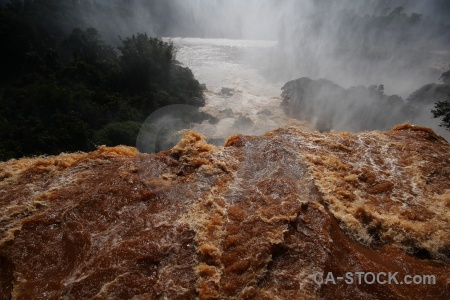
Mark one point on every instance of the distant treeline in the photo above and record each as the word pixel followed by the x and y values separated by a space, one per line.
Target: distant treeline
pixel 389 46
pixel 369 36
pixel 63 88
pixel 331 107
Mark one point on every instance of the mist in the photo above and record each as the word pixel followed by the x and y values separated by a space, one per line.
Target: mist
pixel 344 65
pixel 400 45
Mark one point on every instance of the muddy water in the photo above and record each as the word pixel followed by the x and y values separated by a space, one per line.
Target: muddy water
pixel 238 67
pixel 256 219
pixel 237 92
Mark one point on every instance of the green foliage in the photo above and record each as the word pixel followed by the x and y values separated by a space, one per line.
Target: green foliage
pixel 442 110
pixel 118 133
pixel 442 107
pixel 87 45
pixel 145 62
pixel 34 30
pixel 68 90
pixel 149 67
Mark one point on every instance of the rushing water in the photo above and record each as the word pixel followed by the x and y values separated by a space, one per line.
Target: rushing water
pixel 236 89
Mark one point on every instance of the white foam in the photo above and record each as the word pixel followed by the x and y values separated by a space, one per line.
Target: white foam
pixel 237 65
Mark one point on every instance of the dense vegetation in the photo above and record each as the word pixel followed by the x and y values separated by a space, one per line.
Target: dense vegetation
pixel 65 89
pixel 67 86
pixel 442 106
pixel 442 110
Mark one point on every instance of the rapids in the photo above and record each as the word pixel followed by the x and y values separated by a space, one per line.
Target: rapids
pixel 236 86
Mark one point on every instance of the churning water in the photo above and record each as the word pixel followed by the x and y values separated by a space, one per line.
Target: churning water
pixel 237 92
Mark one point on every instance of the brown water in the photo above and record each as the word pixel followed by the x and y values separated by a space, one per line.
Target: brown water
pixel 252 220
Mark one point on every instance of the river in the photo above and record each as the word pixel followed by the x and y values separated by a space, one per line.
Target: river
pixel 236 89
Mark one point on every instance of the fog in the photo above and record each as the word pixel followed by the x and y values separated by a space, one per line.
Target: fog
pixel 399 44
pixel 349 42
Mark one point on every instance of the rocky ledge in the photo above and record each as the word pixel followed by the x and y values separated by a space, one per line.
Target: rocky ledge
pixel 259 218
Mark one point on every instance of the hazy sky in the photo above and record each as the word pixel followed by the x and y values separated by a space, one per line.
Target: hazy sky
pixel 251 19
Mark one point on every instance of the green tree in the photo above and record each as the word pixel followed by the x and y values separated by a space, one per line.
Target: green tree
pixel 87 45
pixel 442 110
pixel 118 133
pixel 33 30
pixel 65 89
pixel 145 62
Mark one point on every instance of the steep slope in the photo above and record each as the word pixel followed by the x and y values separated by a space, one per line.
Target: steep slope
pixel 255 219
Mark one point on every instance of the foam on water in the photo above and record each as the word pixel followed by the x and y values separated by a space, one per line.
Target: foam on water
pixel 238 66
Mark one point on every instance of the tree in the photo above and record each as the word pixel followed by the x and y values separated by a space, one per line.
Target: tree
pixel 445 77
pixel 118 133
pixel 442 110
pixel 145 62
pixel 64 89
pixel 88 46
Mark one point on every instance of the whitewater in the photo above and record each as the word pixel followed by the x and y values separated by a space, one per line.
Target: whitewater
pixel 237 86
pixel 240 91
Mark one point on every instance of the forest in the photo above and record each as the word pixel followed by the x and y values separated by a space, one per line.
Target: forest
pixel 63 88
pixel 76 74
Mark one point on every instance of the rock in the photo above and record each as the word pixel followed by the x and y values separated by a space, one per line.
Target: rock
pixel 255 219
pixel 227 91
